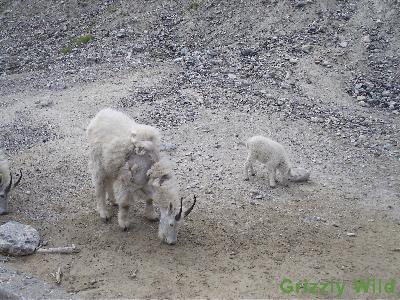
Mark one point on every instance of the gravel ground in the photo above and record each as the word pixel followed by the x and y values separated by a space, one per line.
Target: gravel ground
pixel 320 77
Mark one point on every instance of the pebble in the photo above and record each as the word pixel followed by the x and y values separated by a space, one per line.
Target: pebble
pixel 361 98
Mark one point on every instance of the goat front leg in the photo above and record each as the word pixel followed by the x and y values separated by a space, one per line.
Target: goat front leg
pixel 123 213
pixel 123 200
pixel 248 167
pixel 110 192
pixel 271 169
pixel 149 211
pixel 101 198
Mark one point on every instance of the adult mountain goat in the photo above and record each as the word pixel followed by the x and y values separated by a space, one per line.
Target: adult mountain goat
pixel 126 164
pixel 6 182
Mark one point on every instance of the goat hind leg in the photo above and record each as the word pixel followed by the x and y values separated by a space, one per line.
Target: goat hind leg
pixel 271 175
pixel 110 192
pixel 149 212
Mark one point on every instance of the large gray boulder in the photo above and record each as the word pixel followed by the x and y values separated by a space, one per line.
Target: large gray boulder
pixel 18 239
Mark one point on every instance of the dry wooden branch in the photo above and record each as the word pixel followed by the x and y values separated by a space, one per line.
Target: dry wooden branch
pixel 58 275
pixel 59 250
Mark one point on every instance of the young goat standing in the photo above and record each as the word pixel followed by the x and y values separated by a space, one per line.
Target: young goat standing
pixel 270 153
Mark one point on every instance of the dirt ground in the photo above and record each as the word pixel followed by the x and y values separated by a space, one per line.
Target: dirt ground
pixel 242 239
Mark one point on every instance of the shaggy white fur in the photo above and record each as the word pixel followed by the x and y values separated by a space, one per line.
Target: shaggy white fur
pixel 270 153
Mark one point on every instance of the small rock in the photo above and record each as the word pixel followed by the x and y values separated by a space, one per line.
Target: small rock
pixel 4 259
pixel 300 3
pixel 167 147
pixel 184 51
pixel 248 52
pixel 325 63
pixel 361 98
pixel 350 234
pixel 18 239
pixel 343 44
pixel 299 174
pixel 45 103
pixel 306 48
pixel 366 39
pixel 121 34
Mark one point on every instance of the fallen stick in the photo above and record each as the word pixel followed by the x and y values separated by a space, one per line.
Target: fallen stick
pixel 59 250
pixel 58 275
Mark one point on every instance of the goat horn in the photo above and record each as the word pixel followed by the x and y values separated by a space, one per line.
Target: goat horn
pixel 19 178
pixel 178 216
pixel 190 209
pixel 8 188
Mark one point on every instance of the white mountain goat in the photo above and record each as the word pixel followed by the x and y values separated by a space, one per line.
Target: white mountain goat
pixel 270 153
pixel 274 156
pixel 6 181
pixel 122 154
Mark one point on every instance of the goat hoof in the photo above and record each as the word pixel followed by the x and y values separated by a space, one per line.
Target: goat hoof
pixel 125 229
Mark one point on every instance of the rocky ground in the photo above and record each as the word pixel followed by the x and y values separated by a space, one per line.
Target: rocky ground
pixel 321 77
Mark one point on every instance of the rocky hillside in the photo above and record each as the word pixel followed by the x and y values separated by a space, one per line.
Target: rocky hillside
pixel 216 41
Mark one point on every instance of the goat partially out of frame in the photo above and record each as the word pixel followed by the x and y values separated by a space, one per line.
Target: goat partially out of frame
pixel 6 182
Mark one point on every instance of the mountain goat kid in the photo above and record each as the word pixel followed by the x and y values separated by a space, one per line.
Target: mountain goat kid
pixel 125 157
pixel 270 153
pixel 6 181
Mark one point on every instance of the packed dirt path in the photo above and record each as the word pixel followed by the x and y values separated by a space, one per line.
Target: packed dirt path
pixel 242 239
